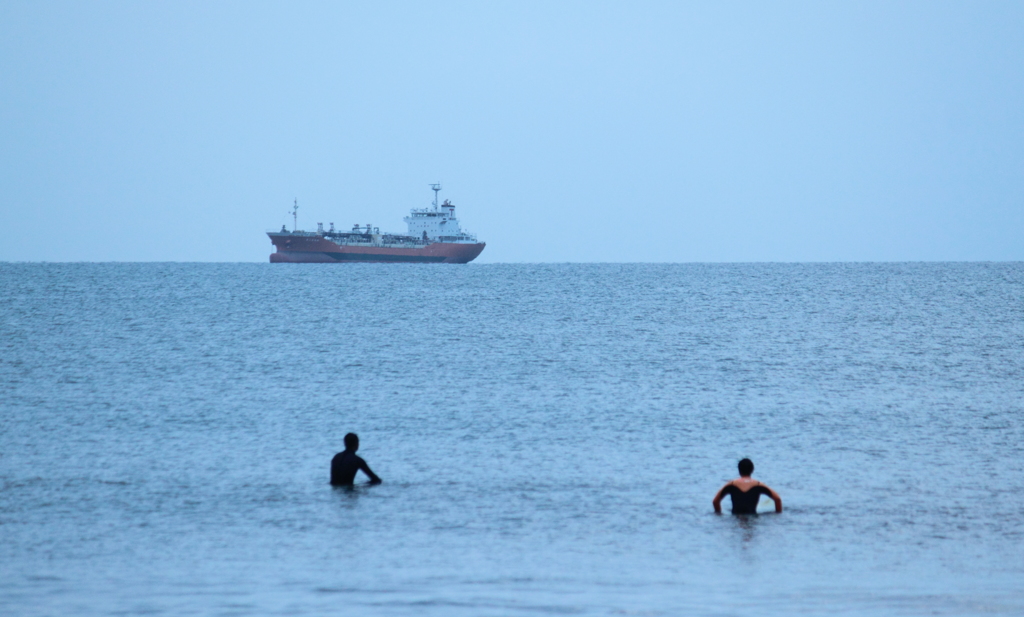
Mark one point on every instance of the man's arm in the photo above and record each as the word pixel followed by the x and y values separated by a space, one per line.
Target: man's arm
pixel 374 479
pixel 774 497
pixel 334 470
pixel 717 502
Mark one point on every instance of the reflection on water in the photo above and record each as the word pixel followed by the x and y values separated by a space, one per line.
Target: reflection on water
pixel 746 523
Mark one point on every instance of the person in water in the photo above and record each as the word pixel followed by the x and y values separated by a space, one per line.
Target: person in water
pixel 745 492
pixel 345 464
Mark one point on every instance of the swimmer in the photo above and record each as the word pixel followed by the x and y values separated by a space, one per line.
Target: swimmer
pixel 345 464
pixel 745 492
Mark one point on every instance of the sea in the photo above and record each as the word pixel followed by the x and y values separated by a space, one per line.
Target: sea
pixel 550 438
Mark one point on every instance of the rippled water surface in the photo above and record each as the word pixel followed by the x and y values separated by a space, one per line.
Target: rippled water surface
pixel 550 437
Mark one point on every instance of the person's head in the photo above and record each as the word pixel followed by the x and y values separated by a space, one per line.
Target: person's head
pixel 746 467
pixel 352 442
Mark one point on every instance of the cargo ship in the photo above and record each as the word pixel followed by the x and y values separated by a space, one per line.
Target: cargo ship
pixel 434 236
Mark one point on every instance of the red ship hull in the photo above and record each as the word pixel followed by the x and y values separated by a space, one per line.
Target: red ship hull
pixel 315 249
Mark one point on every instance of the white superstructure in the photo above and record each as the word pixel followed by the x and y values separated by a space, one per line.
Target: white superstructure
pixel 438 223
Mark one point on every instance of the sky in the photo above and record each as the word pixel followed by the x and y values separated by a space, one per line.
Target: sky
pixel 563 131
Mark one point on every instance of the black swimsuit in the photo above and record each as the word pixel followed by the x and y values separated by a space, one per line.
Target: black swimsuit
pixel 344 466
pixel 745 502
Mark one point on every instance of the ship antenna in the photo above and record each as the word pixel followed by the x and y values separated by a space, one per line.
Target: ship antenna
pixel 295 216
pixel 436 188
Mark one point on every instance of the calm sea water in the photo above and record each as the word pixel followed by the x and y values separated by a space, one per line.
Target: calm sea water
pixel 550 437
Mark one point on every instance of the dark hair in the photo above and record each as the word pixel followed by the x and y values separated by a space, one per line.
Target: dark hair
pixel 746 466
pixel 351 441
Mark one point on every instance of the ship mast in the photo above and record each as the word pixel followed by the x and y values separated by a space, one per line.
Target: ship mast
pixel 295 216
pixel 436 188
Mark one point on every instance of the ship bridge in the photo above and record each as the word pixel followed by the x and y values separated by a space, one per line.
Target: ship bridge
pixel 438 223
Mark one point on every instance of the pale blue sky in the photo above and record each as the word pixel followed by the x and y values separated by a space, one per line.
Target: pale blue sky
pixel 564 131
